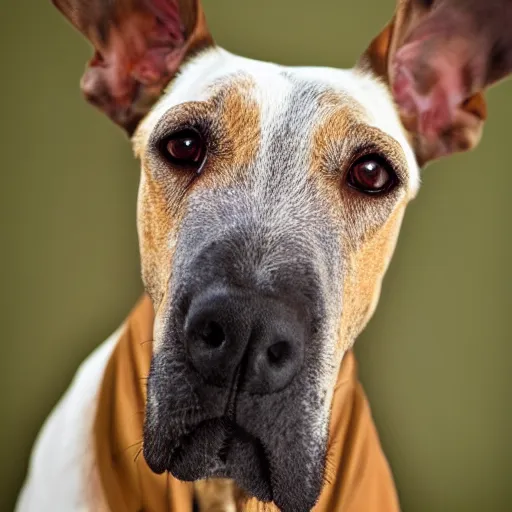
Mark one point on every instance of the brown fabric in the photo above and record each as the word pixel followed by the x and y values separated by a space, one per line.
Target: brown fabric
pixel 128 483
pixel 358 476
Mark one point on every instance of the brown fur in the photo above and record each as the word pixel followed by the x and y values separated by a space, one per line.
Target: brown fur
pixel 371 225
pixel 363 277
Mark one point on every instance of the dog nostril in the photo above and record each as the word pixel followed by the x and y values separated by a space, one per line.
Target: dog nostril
pixel 278 353
pixel 213 335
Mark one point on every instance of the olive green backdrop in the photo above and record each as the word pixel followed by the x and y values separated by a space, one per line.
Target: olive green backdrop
pixel 436 359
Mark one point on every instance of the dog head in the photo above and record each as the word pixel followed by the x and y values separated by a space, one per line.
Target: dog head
pixel 269 206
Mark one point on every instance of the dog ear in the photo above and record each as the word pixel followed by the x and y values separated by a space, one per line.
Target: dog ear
pixel 139 46
pixel 437 57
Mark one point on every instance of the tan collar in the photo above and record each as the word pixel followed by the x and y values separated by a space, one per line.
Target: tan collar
pixel 359 479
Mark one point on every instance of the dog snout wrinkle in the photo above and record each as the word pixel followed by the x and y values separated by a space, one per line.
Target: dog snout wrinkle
pixel 230 329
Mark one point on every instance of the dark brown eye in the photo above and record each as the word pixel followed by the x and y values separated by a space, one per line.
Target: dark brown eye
pixel 185 148
pixel 371 175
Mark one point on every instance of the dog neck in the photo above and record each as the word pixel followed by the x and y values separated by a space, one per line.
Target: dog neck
pixel 356 475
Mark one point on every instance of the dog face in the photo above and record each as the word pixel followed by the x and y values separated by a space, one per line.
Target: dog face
pixel 269 206
pixel 275 237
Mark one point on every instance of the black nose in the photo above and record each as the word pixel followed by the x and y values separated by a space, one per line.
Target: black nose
pixel 231 330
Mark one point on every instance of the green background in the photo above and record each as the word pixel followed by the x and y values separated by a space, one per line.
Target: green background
pixel 435 360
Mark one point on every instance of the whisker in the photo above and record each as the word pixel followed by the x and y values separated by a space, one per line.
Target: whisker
pixel 144 342
pixel 137 455
pixel 118 454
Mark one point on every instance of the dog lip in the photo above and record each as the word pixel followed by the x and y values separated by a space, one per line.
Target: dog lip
pixel 219 448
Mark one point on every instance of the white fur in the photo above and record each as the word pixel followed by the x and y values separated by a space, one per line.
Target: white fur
pixel 62 456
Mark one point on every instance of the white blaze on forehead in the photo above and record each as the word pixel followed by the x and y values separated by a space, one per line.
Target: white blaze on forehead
pixel 272 93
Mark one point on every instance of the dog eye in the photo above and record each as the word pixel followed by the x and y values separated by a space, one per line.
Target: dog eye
pixel 185 148
pixel 371 175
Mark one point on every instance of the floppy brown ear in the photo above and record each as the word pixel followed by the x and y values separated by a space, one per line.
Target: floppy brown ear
pixel 437 63
pixel 139 46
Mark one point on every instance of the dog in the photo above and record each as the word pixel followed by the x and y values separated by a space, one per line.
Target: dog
pixel 269 206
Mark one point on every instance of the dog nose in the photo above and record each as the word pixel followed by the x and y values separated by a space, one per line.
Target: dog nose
pixel 236 333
